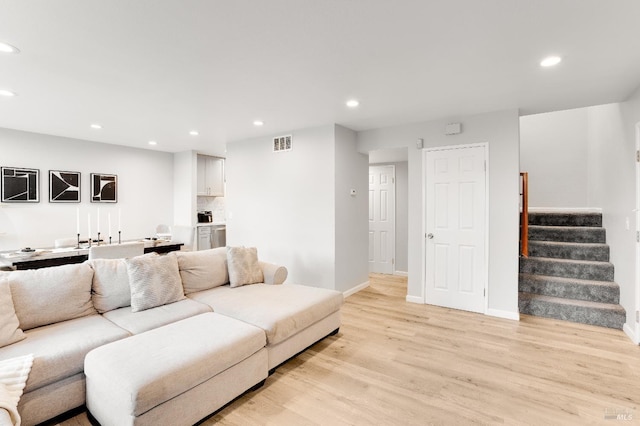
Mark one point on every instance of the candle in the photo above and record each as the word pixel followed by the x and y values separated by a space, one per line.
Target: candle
pixel 98 226
pixel 119 220
pixel 89 225
pixel 109 223
pixel 78 220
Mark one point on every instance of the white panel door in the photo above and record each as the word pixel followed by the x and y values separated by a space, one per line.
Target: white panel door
pixel 455 214
pixel 382 219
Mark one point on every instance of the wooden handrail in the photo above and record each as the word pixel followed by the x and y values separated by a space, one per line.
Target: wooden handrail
pixel 524 216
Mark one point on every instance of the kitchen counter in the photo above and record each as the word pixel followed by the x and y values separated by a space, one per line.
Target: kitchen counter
pixel 214 223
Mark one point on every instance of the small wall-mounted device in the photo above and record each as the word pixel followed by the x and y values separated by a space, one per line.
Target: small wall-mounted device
pixel 353 192
pixel 420 143
pixel 453 129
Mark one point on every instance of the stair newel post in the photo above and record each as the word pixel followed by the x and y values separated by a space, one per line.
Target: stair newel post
pixel 524 216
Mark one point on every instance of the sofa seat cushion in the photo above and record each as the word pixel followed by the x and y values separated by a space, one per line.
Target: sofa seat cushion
pixel 139 322
pixel 59 349
pixel 144 371
pixel 280 310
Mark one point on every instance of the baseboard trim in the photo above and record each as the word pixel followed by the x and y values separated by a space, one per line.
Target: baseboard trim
pixel 634 335
pixel 415 299
pixel 401 273
pixel 565 209
pixel 355 289
pixel 498 313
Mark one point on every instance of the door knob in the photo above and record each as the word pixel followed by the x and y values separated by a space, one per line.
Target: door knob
pixel 430 236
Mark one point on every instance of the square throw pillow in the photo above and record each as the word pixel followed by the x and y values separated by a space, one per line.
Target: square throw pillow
pixel 202 270
pixel 243 265
pixel 110 289
pixel 154 281
pixel 10 331
pixel 49 295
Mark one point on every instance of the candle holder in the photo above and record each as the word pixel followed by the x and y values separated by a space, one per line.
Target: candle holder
pixel 90 241
pixel 109 240
pixel 78 245
pixel 119 237
pixel 98 243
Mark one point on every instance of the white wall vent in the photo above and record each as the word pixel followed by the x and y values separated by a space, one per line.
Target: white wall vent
pixel 282 143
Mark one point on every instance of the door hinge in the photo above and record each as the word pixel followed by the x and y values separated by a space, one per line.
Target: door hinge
pixel 637 236
pixel 638 156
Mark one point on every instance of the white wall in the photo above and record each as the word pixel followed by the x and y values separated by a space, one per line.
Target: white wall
pixel 352 218
pixel 553 150
pixel 145 182
pixel 283 203
pixel 184 188
pixel 612 187
pixel 501 131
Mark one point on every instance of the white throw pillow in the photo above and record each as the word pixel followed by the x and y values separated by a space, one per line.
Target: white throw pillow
pixel 49 295
pixel 154 281
pixel 202 270
pixel 110 289
pixel 243 265
pixel 10 331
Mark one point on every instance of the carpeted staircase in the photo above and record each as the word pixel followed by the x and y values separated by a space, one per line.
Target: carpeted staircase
pixel 567 275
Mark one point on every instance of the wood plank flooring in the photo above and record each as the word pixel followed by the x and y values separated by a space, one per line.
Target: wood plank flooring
pixel 397 363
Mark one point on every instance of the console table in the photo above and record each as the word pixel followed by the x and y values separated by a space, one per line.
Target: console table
pixel 64 256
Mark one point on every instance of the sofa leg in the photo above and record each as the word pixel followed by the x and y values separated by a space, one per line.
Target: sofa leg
pixel 273 370
pixel 334 332
pixel 257 386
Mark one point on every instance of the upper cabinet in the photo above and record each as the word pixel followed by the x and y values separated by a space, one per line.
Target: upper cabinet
pixel 210 176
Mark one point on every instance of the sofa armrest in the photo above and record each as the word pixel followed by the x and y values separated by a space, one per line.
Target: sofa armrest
pixel 273 274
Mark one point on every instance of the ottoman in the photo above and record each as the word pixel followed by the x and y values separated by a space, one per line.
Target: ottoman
pixel 176 374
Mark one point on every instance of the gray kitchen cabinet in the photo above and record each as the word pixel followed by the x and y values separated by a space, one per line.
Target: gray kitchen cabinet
pixel 210 171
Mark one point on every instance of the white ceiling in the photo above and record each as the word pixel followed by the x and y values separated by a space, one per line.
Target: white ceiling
pixel 155 69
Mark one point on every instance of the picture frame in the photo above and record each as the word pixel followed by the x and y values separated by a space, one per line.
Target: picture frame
pixel 64 186
pixel 104 188
pixel 19 185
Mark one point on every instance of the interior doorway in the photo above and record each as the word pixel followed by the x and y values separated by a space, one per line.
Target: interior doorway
pixel 455 213
pixel 382 218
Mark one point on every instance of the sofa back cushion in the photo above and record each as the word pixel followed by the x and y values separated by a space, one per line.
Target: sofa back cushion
pixel 10 331
pixel 154 281
pixel 202 270
pixel 49 295
pixel 110 288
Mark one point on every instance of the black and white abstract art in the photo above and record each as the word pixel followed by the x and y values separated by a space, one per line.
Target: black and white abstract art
pixel 104 188
pixel 64 187
pixel 20 185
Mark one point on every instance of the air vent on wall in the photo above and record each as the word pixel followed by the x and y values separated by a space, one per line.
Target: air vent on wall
pixel 282 143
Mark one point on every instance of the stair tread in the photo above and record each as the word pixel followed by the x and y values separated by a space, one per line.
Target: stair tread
pixel 568 243
pixel 565 227
pixel 576 261
pixel 566 280
pixel 573 302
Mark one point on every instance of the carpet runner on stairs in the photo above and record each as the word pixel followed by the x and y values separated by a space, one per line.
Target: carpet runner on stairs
pixel 568 275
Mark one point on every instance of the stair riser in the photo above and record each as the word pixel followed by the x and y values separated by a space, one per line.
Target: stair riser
pixel 597 271
pixel 569 235
pixel 567 290
pixel 597 253
pixel 600 317
pixel 564 219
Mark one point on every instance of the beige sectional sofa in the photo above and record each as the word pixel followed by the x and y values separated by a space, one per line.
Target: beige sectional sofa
pixel 66 312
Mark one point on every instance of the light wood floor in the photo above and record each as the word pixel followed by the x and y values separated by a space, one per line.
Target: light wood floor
pixel 397 363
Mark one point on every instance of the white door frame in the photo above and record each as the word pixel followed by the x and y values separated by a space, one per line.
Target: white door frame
pixel 636 328
pixel 423 258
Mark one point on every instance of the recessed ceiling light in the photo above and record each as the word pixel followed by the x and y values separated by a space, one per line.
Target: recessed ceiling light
pixel 550 61
pixel 7 48
pixel 7 93
pixel 96 126
pixel 258 123
pixel 194 133
pixel 352 103
pixel 153 143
